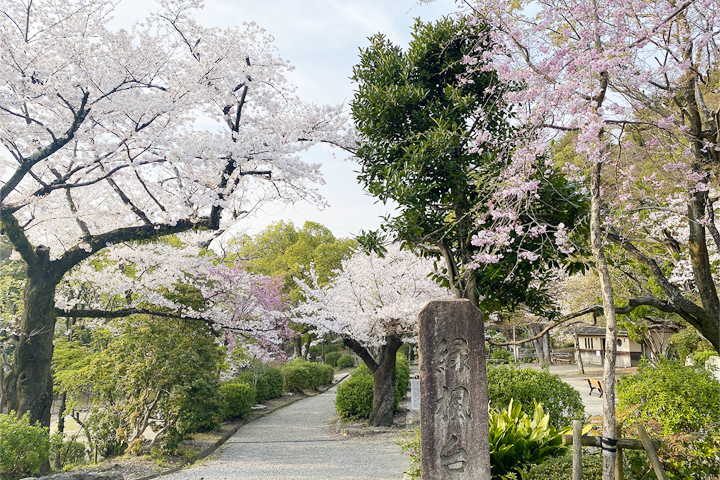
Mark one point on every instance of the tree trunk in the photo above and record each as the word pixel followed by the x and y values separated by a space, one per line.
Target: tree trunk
pixel 383 371
pixel 578 356
pixel 29 385
pixel 542 344
pixel 608 433
pixel 384 388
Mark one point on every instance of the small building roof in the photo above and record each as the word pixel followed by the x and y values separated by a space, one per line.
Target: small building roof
pixel 599 332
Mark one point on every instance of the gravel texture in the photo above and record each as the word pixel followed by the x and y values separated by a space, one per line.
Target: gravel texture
pixel 297 443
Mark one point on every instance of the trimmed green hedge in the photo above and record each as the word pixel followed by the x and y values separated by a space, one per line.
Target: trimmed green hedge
pixel 300 374
pixel 355 397
pixel 332 358
pixel 346 361
pixel 238 399
pixel 527 386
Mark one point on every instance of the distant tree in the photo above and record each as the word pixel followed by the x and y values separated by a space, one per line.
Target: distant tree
pixel 282 250
pixel 373 304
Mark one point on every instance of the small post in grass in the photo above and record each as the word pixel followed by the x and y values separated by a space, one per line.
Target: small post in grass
pixel 577 450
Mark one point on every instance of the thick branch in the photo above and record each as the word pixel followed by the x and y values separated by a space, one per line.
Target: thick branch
pixel 362 352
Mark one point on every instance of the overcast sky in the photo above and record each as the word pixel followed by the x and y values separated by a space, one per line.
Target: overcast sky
pixel 321 39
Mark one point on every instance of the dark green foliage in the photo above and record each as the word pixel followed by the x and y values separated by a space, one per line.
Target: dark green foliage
pixel 683 404
pixel 23 447
pixel 560 468
pixel 415 113
pixel 296 378
pixel 402 379
pixel 501 354
pixel 332 358
pixel 355 397
pixel 238 399
pixel 275 382
pixel 518 441
pixel 346 361
pixel 527 386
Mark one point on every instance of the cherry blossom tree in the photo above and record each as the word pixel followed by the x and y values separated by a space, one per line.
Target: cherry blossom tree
pixel 635 84
pixel 117 136
pixel 373 304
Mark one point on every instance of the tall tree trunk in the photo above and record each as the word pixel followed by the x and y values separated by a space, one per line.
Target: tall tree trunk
pixel 383 371
pixel 384 388
pixel 29 385
pixel 578 356
pixel 608 433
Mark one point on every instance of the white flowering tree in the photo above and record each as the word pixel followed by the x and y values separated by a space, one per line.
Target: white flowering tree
pixel 105 142
pixel 373 304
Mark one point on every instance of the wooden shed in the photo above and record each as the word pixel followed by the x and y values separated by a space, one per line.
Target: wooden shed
pixel 592 346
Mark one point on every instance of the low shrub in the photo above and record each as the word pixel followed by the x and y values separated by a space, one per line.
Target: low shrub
pixel 300 374
pixel 346 361
pixel 527 387
pixel 558 468
pixel 683 405
pixel 23 447
pixel 355 397
pixel 275 382
pixel 238 399
pixel 332 358
pixel 500 354
pixel 518 441
pixel 66 453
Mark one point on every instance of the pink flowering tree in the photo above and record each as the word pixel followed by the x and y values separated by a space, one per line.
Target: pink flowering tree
pixel 119 136
pixel 634 86
pixel 373 304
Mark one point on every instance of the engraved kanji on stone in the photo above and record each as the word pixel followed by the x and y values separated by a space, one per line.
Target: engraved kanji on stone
pixel 454 405
pixel 453 457
pixel 460 355
pixel 441 357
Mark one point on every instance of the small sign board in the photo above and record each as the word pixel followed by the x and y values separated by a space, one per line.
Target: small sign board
pixel 414 394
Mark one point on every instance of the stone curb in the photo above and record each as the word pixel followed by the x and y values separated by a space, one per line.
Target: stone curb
pixel 81 476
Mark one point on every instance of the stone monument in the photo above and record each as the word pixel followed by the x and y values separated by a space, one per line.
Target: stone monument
pixel 453 395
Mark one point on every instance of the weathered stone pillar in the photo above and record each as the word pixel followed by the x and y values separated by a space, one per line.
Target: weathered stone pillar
pixel 453 395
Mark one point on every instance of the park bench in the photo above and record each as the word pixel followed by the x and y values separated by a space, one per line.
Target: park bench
pixel 595 384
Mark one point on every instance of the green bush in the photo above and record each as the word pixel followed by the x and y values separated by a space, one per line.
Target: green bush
pixel 346 361
pixel 527 386
pixel 560 468
pixel 683 403
pixel 66 453
pixel 355 397
pixel 518 441
pixel 500 354
pixel 296 378
pixel 238 399
pixel 275 382
pixel 402 379
pixel 318 373
pixel 23 447
pixel 332 358
pixel 701 357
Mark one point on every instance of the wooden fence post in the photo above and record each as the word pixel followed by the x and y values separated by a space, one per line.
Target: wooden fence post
pixel 577 450
pixel 619 467
pixel 652 454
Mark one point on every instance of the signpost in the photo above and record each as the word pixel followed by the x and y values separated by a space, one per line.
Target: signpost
pixel 453 399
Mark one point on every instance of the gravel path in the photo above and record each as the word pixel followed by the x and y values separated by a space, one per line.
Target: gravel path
pixel 297 443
